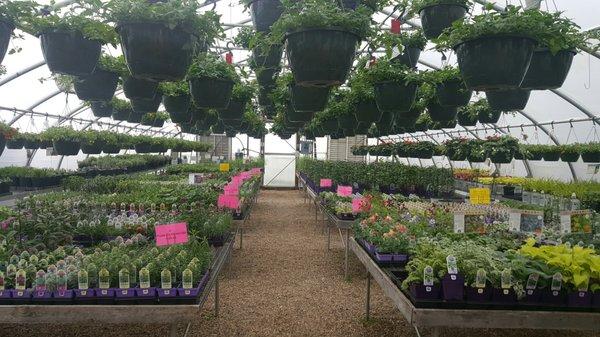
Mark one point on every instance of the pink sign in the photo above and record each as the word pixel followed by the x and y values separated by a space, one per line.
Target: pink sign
pixel 344 191
pixel 231 190
pixel 357 205
pixel 228 201
pixel 325 183
pixel 171 234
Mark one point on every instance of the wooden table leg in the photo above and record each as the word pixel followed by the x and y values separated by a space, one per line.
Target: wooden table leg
pixel 368 299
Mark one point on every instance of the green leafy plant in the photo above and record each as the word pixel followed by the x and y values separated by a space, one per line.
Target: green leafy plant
pixel 418 5
pixel 207 65
pixel 114 64
pixel 174 88
pixel 6 131
pixel 243 92
pixel 384 70
pixel 61 133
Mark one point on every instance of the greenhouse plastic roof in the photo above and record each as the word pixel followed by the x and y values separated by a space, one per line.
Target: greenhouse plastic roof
pixel 566 115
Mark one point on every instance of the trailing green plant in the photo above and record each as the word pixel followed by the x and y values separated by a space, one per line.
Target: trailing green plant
pixel 388 41
pixel 207 65
pixel 320 14
pixel 174 89
pixel 114 64
pixel 61 133
pixel 243 91
pixel 155 116
pixel 384 70
pixel 16 11
pixel 120 104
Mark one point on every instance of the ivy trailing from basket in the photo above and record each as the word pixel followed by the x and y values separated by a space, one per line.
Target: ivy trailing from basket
pixel 73 21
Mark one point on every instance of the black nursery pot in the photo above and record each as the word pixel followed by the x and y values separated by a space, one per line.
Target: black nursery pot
pixel 508 100
pixel 177 105
pixel 235 110
pixel 440 113
pixel 489 116
pixel 395 97
pixel 70 53
pixel 139 88
pixel 294 116
pixel 491 63
pixel 453 287
pixel 268 59
pixel 321 57
pixel 66 147
pixel 476 157
pixel 101 109
pixel 309 99
pixel 264 13
pixel 32 144
pixel 366 111
pixel 587 157
pixel 569 157
pixel 121 115
pixel 501 158
pixel 111 149
pixel 15 144
pixel 135 117
pixel 155 51
pixel 465 119
pixel 409 57
pixel 2 143
pixel 98 86
pixel 6 30
pixel 436 18
pixel 551 155
pixel 95 148
pixel 548 71
pixel 453 93
pixel 211 92
pixel 143 106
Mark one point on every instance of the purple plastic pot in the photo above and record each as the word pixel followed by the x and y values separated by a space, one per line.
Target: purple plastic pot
pixel 146 295
pixel 85 296
pixel 504 296
pixel 371 248
pixel 399 259
pixel 125 296
pixel 453 287
pixel 422 292
pixel 105 296
pixel 41 297
pixel 553 298
pixel 580 299
pixel 383 258
pixel 63 297
pixel 21 296
pixel 532 297
pixel 5 297
pixel 596 300
pixel 478 294
pixel 190 296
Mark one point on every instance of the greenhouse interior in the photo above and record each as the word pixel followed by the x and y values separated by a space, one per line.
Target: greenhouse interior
pixel 300 168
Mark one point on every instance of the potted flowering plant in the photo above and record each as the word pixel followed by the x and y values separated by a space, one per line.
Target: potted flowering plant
pixel 457 149
pixel 501 149
pixel 177 100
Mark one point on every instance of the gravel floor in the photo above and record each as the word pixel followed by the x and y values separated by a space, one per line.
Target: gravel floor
pixel 285 283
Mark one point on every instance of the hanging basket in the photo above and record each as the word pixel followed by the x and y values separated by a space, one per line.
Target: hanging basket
pixel 264 13
pixel 143 148
pixel 94 148
pixel 269 59
pixel 321 57
pixel 362 128
pixel 508 100
pixel 440 113
pixel 111 149
pixel 569 157
pixel 552 154
pixel 453 93
pixel 590 156
pixel 409 57
pixel 211 92
pixel 490 116
pixel 394 96
pixel 121 115
pixel 154 51
pixel 464 118
pixel 547 71
pixel 101 109
pixel 436 18
pixel 15 144
pixel 180 118
pixel 293 115
pixel 495 62
pixel 138 88
pixel 235 110
pixel 177 105
pixel 197 115
pixel 31 144
pixel 308 99
pixel 66 147
pixel 99 86
pixel 70 53
pixel 267 77
pixel 143 106
pixel 476 157
pixel 384 125
pixel 347 121
pixel 366 111
pixel 6 29
pixel 501 157
pixel 135 118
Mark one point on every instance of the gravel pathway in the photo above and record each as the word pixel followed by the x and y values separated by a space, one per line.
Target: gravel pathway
pixel 285 283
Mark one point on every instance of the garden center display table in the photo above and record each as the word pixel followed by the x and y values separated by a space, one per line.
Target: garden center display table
pixel 174 315
pixel 246 209
pixel 469 318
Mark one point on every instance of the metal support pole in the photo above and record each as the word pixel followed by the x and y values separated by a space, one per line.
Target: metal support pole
pixel 368 298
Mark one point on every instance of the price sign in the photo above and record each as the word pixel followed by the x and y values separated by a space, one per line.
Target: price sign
pixel 171 234
pixel 480 196
pixel 224 167
pixel 579 221
pixel 325 183
pixel 526 221
pixel 344 191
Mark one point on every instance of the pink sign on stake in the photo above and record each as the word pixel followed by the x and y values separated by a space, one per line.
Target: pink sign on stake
pixel 344 191
pixel 357 205
pixel 325 183
pixel 228 201
pixel 171 234
pixel 231 190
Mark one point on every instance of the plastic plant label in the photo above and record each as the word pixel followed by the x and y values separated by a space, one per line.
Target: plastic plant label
pixel 20 280
pixel 514 221
pixel 506 279
pixel 556 282
pixel 165 279
pixel 451 264
pixel 480 278
pixel 325 183
pixel 224 167
pixel 103 279
pixel 428 276
pixel 171 234
pixel 2 283
pixel 344 191
pixel 532 281
pixel 459 222
pixel 480 196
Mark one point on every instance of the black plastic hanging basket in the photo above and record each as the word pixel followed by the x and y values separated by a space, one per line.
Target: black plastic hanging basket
pixel 270 58
pixel 98 86
pixel 569 157
pixel 177 105
pixel 394 96
pixel 211 92
pixel 409 57
pixel 508 100
pixel 92 148
pixel 547 71
pixel 135 118
pixel 347 121
pixel 264 13
pixel 139 88
pixel 590 156
pixel 293 115
pixel 321 57
pixel 143 148
pixel 384 125
pixel 366 111
pixel 494 62
pixel 66 147
pixel 440 113
pixel 267 77
pixel 15 144
pixel 32 144
pixel 362 128
pixel 436 18
pixel 235 110
pixel 490 116
pixel 70 53
pixel 101 109
pixel 476 157
pixel 501 157
pixel 6 29
pixel 111 149
pixel 154 51
pixel 308 99
pixel 453 93
pixel 143 106
pixel 121 114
